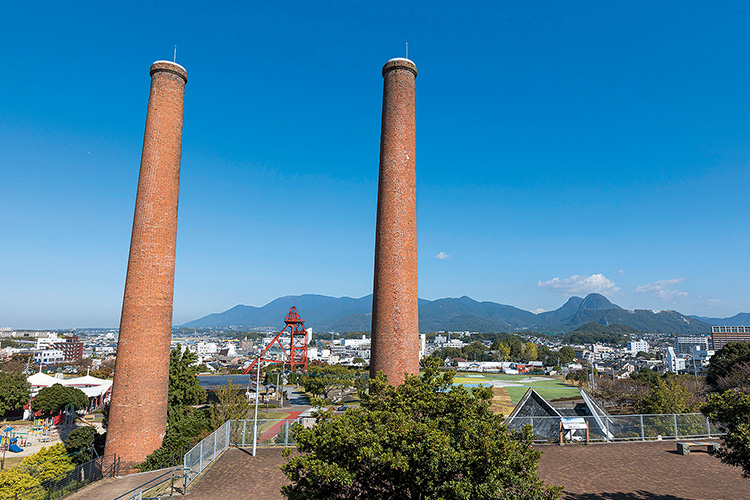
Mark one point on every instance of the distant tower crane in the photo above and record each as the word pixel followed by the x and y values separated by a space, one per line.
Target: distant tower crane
pixel 298 341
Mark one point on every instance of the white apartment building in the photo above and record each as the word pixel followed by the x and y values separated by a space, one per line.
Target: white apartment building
pixel 636 346
pixel 49 357
pixel 675 362
pixel 47 342
pixel 206 348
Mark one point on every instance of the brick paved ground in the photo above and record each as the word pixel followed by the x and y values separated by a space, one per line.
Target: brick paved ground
pixel 238 475
pixel 640 471
pixel 623 471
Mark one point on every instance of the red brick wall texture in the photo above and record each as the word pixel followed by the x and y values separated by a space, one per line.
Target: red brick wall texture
pixel 138 414
pixel 395 318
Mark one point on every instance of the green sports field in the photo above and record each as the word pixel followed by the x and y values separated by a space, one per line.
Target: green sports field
pixel 517 385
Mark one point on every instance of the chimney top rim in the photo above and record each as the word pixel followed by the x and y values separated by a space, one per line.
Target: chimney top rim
pixel 400 62
pixel 169 66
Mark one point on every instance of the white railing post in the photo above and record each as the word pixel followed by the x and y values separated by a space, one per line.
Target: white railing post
pixel 675 426
pixel 244 431
pixel 216 433
pixel 708 428
pixel 643 433
pixel 200 463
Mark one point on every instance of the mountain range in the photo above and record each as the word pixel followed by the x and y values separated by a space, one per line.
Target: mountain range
pixel 346 314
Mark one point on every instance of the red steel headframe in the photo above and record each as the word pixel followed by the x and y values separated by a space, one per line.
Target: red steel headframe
pixel 297 344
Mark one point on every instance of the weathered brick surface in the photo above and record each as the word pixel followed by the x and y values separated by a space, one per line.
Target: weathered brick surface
pixel 138 414
pixel 395 318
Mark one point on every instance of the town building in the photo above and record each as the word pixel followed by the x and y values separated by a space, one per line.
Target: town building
pixel 684 344
pixel 636 346
pixel 721 335
pixel 675 361
pixel 71 347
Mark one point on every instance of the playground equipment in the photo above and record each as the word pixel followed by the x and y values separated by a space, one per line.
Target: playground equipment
pixel 298 340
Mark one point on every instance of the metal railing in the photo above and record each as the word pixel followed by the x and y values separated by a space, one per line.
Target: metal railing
pixel 72 480
pixel 622 427
pixel 205 453
pixel 271 432
pixel 138 492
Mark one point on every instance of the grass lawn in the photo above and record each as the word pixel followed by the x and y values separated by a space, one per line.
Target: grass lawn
pixel 547 387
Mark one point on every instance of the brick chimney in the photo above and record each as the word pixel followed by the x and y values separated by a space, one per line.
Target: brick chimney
pixel 395 318
pixel 138 412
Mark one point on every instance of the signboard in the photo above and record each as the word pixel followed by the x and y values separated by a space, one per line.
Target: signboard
pixel 574 423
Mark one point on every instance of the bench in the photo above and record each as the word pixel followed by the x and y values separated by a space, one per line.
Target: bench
pixel 683 448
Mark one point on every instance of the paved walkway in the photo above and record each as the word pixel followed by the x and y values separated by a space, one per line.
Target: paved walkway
pixel 640 471
pixel 622 471
pixel 108 489
pixel 238 475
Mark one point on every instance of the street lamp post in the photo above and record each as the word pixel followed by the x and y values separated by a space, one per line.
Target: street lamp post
pixel 257 396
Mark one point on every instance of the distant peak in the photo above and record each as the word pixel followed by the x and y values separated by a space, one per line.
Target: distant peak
pixel 597 301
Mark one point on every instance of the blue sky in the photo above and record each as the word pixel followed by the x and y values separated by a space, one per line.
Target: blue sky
pixel 562 148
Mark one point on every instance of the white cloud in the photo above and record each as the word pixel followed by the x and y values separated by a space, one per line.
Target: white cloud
pixel 596 283
pixel 664 290
pixel 539 310
pixel 442 256
pixel 621 272
pixel 713 301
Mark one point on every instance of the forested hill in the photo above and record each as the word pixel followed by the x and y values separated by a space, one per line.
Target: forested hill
pixel 343 314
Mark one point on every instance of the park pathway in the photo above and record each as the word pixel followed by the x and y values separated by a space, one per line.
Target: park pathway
pixel 108 489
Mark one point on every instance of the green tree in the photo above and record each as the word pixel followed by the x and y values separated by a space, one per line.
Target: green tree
pixel 529 351
pixel 423 439
pixel 322 380
pixel 645 375
pixel 17 480
pixel 475 350
pixel 184 387
pixel 731 412
pixel 566 354
pixel 543 352
pixel 724 366
pixel 79 443
pixel 233 405
pixel 667 395
pixel 53 399
pixel 503 350
pixel 449 353
pixel 185 428
pixel 48 462
pixel 14 391
pixel 516 347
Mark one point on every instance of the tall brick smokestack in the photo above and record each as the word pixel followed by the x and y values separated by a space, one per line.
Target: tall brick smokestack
pixel 138 412
pixel 395 318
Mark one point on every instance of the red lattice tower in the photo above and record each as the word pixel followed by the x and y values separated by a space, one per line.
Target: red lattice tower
pixel 297 355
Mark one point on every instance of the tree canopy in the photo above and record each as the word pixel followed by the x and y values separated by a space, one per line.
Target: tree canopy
pixel 566 354
pixel 14 392
pixel 233 405
pixel 731 412
pixel 79 443
pixel 184 387
pixel 730 367
pixel 423 439
pixel 55 398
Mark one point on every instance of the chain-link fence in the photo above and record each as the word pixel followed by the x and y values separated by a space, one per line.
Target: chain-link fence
pixel 73 480
pixel 621 427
